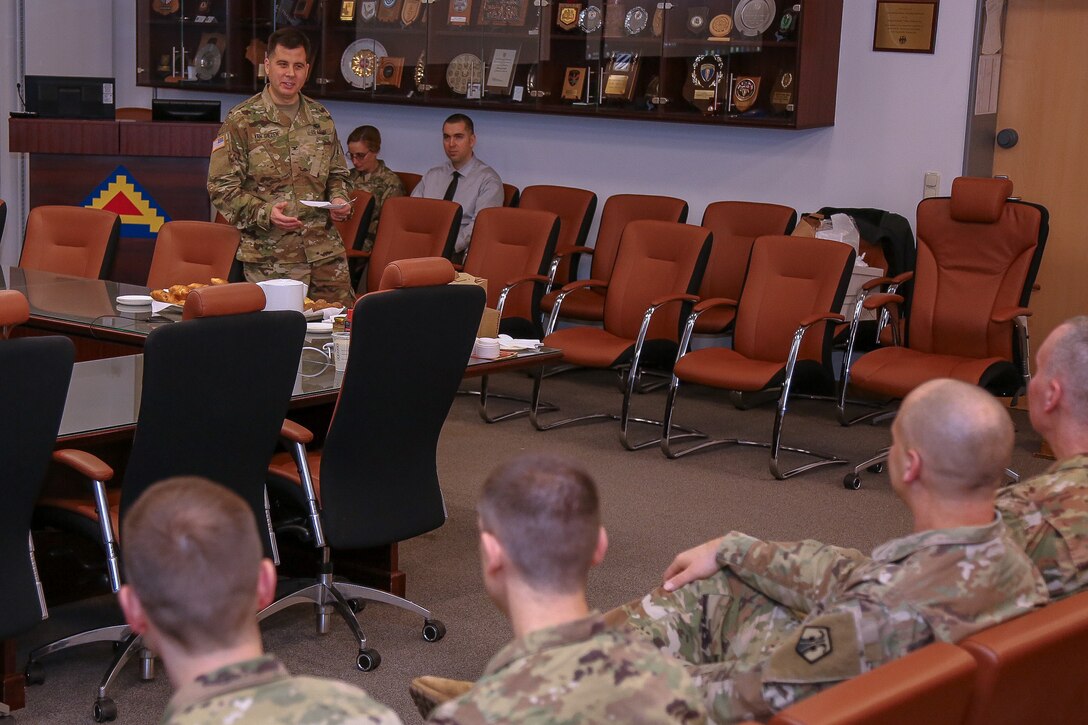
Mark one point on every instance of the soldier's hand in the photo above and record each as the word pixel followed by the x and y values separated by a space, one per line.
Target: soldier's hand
pixel 697 563
pixel 280 218
pixel 341 211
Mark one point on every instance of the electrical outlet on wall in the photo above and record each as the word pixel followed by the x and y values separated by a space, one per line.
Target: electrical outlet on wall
pixel 932 184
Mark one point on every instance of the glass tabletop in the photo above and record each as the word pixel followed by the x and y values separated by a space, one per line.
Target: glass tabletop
pixel 105 394
pixel 78 301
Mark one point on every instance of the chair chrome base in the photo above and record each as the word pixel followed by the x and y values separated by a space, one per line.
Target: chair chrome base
pixel 485 395
pixel 326 594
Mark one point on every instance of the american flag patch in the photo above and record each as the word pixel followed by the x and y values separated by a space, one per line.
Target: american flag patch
pixel 218 143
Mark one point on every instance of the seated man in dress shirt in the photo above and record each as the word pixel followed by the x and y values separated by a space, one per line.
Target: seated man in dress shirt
pixel 476 186
pixel 195 579
pixel 540 532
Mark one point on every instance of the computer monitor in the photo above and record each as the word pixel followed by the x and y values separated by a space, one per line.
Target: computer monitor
pixel 70 97
pixel 189 111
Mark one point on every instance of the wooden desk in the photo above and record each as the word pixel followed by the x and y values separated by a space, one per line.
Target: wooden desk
pixel 69 159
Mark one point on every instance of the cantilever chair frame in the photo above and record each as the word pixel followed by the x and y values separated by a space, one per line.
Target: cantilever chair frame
pixel 775 446
pixel 633 369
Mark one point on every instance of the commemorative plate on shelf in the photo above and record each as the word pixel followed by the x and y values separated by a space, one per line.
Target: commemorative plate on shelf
pixel 207 61
pixel 464 70
pixel 753 17
pixel 359 62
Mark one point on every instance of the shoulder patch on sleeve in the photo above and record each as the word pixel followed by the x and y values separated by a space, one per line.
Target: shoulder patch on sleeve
pixel 219 142
pixel 823 649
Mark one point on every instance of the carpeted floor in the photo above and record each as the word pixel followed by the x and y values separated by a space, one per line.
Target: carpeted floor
pixel 653 508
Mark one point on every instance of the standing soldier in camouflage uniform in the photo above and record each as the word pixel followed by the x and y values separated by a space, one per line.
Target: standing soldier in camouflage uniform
pixel 195 581
pixel 1048 514
pixel 764 625
pixel 565 664
pixel 371 174
pixel 274 151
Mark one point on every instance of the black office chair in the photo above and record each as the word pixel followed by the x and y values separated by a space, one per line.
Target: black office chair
pixel 215 392
pixel 34 377
pixel 378 480
pixel 3 216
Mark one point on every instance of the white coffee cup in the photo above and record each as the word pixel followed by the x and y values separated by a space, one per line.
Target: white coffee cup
pixel 338 350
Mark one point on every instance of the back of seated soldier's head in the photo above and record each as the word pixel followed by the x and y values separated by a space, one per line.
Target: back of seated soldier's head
pixel 544 511
pixel 191 552
pixel 961 433
pixel 1063 356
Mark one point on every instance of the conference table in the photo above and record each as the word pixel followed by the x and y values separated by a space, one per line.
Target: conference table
pixel 104 397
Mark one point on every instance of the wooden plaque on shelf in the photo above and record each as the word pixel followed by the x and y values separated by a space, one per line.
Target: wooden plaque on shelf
pixel 574 83
pixel 388 11
pixel 460 11
pixel 390 71
pixel 502 12
pixel 620 77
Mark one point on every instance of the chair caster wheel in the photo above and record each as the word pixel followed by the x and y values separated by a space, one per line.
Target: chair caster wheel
pixel 105 710
pixel 35 673
pixel 368 660
pixel 851 481
pixel 876 468
pixel 356 605
pixel 433 630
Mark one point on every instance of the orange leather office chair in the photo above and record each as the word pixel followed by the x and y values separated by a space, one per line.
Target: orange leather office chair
pixel 187 252
pixel 353 232
pixel 782 337
pixel 510 195
pixel 410 228
pixel 588 303
pixel 235 366
pixel 34 377
pixel 512 249
pixel 1031 669
pixel 375 481
pixel 978 254
pixel 659 266
pixel 73 240
pixel 735 225
pixel 410 180
pixel 575 209
pixel 931 685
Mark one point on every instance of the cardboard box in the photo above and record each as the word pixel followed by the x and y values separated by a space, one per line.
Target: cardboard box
pixel 489 321
pixel 860 276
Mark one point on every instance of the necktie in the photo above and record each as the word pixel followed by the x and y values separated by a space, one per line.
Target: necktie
pixel 452 188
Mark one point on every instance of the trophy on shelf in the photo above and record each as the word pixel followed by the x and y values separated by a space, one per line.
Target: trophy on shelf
pixel 620 77
pixel 421 74
pixel 532 81
pixel 701 88
pixel 745 92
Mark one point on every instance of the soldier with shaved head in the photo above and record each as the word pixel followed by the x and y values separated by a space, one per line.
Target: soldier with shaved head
pixel 1048 514
pixel 763 625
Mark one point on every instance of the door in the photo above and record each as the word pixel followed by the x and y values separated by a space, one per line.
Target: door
pixel 1044 97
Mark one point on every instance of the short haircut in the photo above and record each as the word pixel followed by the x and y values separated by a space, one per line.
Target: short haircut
pixel 191 551
pixel 369 135
pixel 1068 361
pixel 461 118
pixel 289 38
pixel 964 435
pixel 543 509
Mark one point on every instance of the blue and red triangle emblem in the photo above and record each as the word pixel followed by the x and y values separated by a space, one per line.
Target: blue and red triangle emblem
pixel 141 216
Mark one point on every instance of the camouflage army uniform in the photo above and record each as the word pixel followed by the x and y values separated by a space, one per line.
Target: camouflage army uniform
pixel 780 622
pixel 577 673
pixel 261 691
pixel 1048 516
pixel 261 158
pixel 383 184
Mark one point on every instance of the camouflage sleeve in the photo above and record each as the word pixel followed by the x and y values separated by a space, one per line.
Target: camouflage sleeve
pixel 339 184
pixel 797 574
pixel 228 169
pixel 829 647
